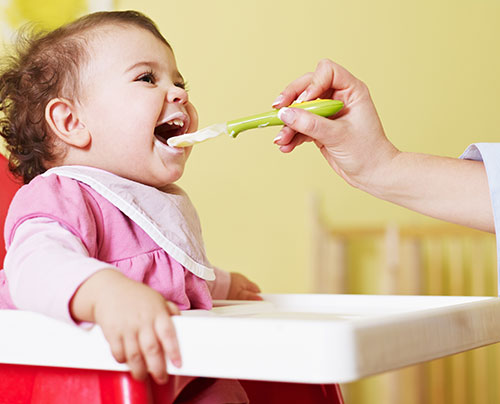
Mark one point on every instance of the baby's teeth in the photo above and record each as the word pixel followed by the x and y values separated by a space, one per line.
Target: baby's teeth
pixel 177 122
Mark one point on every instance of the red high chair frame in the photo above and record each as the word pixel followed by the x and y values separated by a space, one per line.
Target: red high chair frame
pixel 8 188
pixel 21 384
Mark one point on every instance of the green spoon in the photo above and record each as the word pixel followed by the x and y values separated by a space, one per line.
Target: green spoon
pixel 233 128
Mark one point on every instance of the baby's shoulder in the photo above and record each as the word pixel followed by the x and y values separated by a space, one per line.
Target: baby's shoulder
pixel 52 189
pixel 57 198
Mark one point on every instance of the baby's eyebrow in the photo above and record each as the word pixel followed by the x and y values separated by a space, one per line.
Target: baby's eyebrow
pixel 149 64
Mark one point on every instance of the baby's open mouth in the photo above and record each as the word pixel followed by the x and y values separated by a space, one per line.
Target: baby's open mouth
pixel 174 127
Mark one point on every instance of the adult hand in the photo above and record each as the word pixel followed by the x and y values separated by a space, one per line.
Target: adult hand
pixel 354 144
pixel 353 141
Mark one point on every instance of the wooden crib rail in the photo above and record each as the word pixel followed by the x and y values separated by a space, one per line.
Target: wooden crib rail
pixel 436 259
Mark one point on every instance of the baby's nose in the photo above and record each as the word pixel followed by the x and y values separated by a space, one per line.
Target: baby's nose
pixel 177 94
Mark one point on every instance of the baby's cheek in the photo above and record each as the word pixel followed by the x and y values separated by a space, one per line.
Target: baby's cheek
pixel 188 151
pixel 193 115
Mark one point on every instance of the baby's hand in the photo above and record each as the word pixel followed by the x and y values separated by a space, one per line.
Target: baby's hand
pixel 136 321
pixel 242 289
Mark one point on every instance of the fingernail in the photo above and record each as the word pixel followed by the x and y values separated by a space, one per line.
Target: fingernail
pixel 302 97
pixel 278 100
pixel 287 115
pixel 277 139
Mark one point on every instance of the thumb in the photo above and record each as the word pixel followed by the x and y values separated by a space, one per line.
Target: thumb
pixel 307 123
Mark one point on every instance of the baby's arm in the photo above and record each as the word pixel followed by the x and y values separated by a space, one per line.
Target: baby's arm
pixel 46 264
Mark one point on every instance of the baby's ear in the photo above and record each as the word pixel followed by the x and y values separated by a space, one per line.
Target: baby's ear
pixel 62 117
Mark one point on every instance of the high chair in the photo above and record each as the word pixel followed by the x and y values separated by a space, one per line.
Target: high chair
pixel 43 361
pixel 9 188
pixel 284 349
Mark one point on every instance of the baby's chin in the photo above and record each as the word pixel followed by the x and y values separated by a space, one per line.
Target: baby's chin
pixel 173 160
pixel 162 182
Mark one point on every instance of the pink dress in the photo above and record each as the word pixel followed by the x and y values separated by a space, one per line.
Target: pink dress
pixel 109 237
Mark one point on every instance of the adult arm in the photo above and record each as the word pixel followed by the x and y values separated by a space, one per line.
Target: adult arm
pixel 356 147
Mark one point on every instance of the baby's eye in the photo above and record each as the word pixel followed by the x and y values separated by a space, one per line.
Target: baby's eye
pixel 148 77
pixel 181 84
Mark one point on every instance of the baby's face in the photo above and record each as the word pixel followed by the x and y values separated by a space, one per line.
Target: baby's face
pixel 133 99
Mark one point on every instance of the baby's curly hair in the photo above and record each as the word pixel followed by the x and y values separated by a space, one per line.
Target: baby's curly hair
pixel 46 65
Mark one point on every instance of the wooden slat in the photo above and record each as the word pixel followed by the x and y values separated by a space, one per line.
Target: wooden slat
pixel 478 369
pixel 434 260
pixel 434 286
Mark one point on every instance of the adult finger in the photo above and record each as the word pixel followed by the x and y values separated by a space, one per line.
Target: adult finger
pixel 284 136
pixel 327 76
pixel 297 140
pixel 288 139
pixel 292 91
pixel 307 123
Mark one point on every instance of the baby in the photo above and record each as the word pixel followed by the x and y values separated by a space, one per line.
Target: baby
pixel 100 234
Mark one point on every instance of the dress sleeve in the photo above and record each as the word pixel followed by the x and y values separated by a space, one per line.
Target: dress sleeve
pixel 45 265
pixel 219 288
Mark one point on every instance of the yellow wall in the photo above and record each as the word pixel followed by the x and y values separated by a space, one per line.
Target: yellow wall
pixel 433 70
pixel 432 67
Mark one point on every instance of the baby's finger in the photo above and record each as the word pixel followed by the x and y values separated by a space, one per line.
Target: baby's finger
pixel 165 332
pixel 253 287
pixel 134 357
pixel 248 295
pixel 117 349
pixel 153 355
pixel 172 308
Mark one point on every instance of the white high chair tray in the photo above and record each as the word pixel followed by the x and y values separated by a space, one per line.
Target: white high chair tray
pixel 290 338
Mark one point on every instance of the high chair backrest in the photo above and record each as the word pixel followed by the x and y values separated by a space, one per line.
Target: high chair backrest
pixel 8 187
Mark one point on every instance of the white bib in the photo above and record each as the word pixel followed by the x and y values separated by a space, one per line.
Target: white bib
pixel 168 216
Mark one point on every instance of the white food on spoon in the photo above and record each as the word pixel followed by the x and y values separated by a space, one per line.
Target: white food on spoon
pixel 199 136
